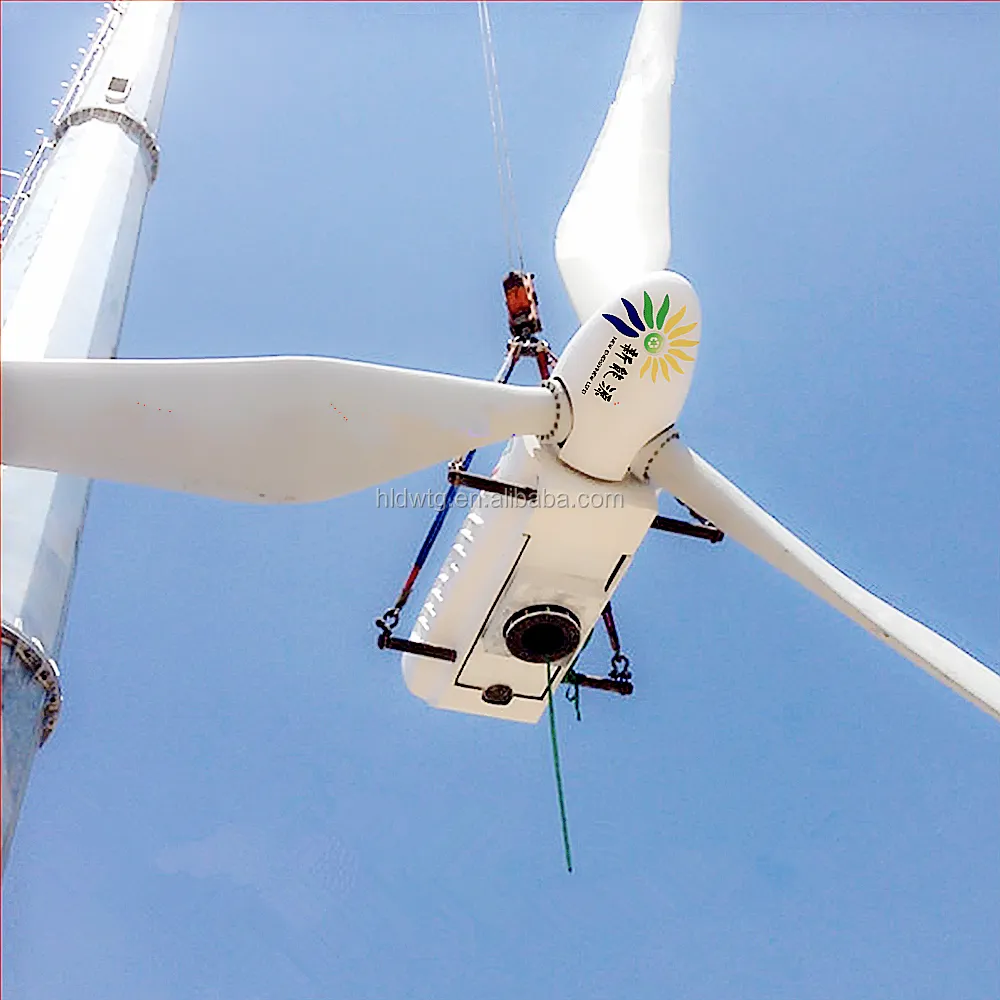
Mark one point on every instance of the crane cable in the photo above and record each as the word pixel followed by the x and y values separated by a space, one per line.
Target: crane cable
pixel 505 176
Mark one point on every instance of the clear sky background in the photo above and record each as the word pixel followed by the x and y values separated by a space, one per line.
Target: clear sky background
pixel 243 801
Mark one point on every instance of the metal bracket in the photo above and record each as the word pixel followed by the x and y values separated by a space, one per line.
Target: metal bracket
pixel 31 655
pixel 708 531
pixel 563 425
pixel 617 685
pixel 132 127
pixel 458 477
pixel 388 641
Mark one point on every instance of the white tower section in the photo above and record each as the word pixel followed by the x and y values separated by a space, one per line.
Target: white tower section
pixel 69 243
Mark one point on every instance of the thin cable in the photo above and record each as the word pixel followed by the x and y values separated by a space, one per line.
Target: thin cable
pixel 555 761
pixel 505 174
pixel 485 36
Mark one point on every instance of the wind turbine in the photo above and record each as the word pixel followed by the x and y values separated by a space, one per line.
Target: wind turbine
pixel 304 429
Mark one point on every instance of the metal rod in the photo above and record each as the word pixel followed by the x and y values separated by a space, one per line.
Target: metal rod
pixel 707 531
pixel 417 648
pixel 458 477
pixel 616 685
pixel 609 623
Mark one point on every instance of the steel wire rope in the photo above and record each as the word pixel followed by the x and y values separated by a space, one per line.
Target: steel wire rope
pixel 505 175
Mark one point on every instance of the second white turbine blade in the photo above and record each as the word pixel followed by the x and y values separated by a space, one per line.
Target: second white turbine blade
pixel 694 482
pixel 616 225
pixel 259 430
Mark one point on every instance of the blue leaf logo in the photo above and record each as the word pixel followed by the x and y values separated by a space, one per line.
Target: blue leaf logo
pixel 620 325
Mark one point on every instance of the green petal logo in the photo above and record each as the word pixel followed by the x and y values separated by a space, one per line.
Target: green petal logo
pixel 665 344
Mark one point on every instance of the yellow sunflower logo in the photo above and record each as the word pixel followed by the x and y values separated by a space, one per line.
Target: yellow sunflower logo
pixel 665 344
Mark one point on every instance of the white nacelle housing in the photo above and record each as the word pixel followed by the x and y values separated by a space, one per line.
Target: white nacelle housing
pixel 569 550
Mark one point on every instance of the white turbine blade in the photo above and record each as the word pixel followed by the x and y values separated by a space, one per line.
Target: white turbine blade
pixel 694 482
pixel 616 226
pixel 260 430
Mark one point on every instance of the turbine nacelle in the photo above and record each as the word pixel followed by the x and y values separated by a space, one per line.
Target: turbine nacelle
pixel 524 584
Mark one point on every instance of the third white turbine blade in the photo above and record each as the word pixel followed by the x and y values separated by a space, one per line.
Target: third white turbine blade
pixel 616 225
pixel 694 482
pixel 258 430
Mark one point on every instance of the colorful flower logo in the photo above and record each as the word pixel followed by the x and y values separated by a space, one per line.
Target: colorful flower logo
pixel 665 341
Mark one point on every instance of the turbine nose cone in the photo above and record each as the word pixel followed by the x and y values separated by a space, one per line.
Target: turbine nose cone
pixel 628 370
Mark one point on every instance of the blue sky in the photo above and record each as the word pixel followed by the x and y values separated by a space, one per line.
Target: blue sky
pixel 243 801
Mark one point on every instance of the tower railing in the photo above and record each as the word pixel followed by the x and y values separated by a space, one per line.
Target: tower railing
pixel 28 177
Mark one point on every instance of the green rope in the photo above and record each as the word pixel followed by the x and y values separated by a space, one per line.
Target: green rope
pixel 555 761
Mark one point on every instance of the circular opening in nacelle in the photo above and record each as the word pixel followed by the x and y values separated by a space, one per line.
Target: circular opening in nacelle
pixel 544 639
pixel 543 632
